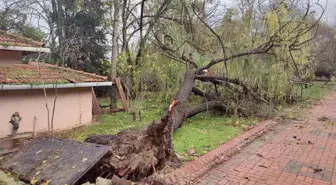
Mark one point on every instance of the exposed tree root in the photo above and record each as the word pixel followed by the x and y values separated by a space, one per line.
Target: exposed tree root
pixel 137 154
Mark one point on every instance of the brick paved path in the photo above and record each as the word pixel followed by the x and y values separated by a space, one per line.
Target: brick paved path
pixel 300 153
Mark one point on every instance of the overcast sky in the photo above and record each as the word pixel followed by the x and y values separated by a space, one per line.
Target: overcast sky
pixel 330 13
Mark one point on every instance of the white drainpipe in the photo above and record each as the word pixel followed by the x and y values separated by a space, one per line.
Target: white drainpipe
pixel 53 86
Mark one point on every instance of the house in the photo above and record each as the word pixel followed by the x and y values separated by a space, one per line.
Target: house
pixel 27 88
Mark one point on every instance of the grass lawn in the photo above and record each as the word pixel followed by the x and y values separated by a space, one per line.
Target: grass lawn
pixel 204 133
pixel 198 135
pixel 113 123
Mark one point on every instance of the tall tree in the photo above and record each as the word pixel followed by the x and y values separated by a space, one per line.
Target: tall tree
pixel 115 36
pixel 80 32
pixel 323 50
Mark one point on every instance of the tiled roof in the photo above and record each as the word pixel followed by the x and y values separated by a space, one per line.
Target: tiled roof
pixel 44 73
pixel 9 39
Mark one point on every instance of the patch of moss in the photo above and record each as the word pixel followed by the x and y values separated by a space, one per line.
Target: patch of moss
pixel 6 44
pixel 4 65
pixel 14 37
pixel 41 83
pixel 24 73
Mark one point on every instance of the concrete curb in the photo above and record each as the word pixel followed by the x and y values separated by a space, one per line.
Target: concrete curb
pixel 191 170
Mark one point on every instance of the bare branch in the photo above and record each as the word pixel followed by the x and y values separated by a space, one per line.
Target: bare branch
pixel 261 49
pixel 172 53
pixel 216 35
pixel 223 80
pixel 149 29
pixel 205 95
pixel 153 16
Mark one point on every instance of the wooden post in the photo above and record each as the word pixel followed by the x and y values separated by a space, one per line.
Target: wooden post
pixel 122 94
pixel 95 105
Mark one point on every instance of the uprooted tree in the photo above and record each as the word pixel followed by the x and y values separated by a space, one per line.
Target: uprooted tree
pixel 256 70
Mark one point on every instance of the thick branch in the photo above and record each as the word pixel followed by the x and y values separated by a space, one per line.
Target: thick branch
pixel 261 49
pixel 192 111
pixel 220 80
pixel 223 80
pixel 205 95
pixel 206 106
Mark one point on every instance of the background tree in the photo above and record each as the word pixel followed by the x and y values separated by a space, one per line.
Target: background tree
pixel 14 20
pixel 323 55
pixel 80 32
pixel 115 35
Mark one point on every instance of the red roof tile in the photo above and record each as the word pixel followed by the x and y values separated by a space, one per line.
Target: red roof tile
pixel 44 73
pixel 9 39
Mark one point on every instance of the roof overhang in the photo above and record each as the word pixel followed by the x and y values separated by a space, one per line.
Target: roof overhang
pixel 21 48
pixel 53 86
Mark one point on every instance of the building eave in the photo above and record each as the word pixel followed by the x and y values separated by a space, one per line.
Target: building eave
pixel 53 86
pixel 29 49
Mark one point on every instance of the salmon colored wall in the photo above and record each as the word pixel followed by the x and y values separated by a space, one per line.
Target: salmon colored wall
pixel 10 57
pixel 73 108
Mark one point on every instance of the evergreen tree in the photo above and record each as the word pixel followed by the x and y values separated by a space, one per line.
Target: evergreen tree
pixel 82 43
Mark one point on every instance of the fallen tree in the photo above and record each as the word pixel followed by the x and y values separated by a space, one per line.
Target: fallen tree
pixel 137 154
pixel 140 153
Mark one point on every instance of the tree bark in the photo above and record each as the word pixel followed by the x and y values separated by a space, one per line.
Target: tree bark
pixel 58 18
pixel 193 111
pixel 206 106
pixel 115 36
pixel 205 95
pixel 124 26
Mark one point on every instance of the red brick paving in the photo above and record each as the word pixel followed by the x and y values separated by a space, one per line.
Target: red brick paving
pixel 294 153
pixel 200 166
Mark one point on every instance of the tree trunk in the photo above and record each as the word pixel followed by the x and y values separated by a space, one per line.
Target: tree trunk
pixel 124 26
pixel 139 153
pixel 58 13
pixel 115 36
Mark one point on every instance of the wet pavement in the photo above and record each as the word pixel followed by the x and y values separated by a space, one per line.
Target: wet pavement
pixel 294 152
